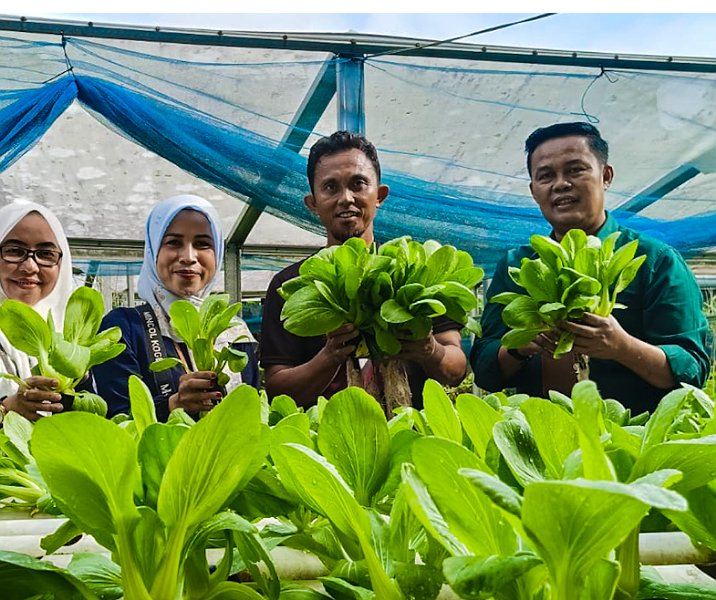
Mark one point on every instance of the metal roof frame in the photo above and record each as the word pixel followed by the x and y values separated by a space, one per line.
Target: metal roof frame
pixel 660 188
pixel 357 45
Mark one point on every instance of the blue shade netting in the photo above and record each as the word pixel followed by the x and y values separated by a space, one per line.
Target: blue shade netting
pixel 449 132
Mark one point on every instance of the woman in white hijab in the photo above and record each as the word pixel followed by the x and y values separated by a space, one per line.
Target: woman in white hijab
pixel 183 250
pixel 35 268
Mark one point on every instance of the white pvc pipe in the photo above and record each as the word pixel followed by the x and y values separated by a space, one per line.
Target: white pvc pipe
pixel 21 533
pixel 672 548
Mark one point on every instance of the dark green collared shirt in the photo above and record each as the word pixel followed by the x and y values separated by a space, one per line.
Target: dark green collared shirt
pixel 664 308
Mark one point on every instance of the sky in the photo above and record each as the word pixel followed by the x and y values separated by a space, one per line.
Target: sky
pixel 671 34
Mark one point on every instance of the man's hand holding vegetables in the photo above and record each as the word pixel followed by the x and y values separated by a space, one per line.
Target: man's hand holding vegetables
pixel 344 178
pixel 442 361
pixel 605 338
pixel 640 351
pixel 341 343
pixel 326 365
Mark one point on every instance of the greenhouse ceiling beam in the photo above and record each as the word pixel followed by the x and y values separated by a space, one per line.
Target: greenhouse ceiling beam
pixel 90 248
pixel 660 188
pixel 351 43
pixel 286 252
pixel 108 249
pixel 314 104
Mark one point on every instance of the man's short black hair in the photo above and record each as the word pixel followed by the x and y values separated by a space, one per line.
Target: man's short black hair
pixel 597 144
pixel 338 142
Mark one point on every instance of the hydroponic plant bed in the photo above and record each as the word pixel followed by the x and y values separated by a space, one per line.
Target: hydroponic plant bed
pixel 479 495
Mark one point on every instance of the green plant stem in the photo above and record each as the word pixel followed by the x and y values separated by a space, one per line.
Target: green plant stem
pixel 28 495
pixel 605 305
pixel 628 557
pixel 166 584
pixel 132 584
pixel 27 490
pixel 43 363
pixel 611 304
pixel 384 587
pixel 19 477
pixel 565 585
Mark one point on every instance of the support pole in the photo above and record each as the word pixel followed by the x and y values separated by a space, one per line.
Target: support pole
pixel 350 89
pixel 130 290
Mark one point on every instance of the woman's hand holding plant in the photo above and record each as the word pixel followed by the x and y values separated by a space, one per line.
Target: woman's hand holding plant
pixel 197 392
pixel 34 394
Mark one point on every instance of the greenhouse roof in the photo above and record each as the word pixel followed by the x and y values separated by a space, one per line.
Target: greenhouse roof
pixel 100 122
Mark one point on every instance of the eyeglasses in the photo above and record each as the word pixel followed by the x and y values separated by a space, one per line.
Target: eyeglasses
pixel 43 257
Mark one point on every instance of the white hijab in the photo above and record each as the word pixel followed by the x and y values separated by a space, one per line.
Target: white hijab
pixel 150 286
pixel 14 361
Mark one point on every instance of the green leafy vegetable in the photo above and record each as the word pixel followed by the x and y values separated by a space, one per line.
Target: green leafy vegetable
pixel 23 576
pixel 150 516
pixel 199 329
pixel 389 293
pixel 67 356
pixel 568 278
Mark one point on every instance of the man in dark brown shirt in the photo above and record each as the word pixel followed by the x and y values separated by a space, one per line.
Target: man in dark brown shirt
pixel 344 177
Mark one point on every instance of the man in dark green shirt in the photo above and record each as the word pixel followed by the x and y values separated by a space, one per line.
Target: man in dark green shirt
pixel 638 353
